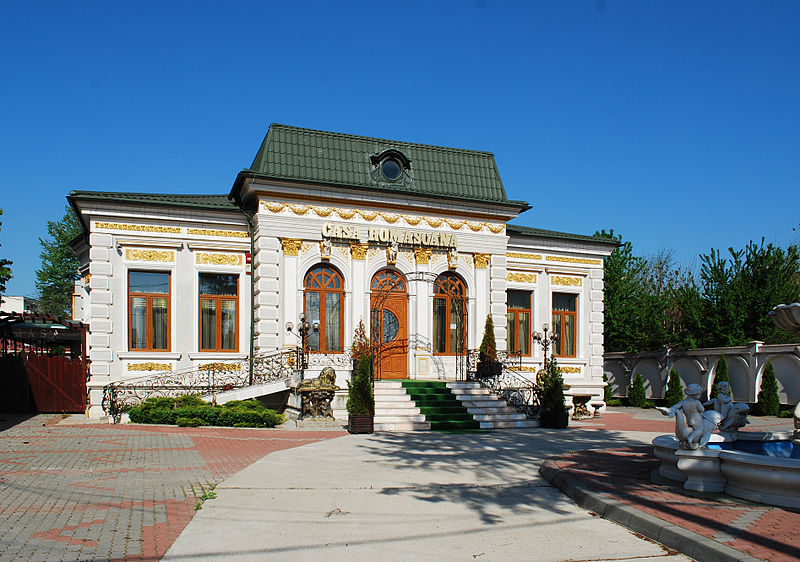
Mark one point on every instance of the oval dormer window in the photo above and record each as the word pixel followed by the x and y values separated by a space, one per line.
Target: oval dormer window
pixel 391 169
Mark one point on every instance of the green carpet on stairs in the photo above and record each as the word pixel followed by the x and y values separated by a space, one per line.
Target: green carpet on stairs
pixel 439 406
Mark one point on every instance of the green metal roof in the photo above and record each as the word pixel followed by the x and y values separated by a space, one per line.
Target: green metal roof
pixel 306 155
pixel 541 233
pixel 200 201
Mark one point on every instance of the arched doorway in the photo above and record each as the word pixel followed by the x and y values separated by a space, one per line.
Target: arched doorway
pixel 389 324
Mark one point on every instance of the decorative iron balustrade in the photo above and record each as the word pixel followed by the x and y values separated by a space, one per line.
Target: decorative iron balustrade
pixel 209 379
pixel 518 389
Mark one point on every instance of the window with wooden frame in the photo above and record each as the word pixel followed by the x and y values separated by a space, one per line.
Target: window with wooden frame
pixel 565 324
pixel 324 303
pixel 518 314
pixel 148 311
pixel 219 310
pixel 449 315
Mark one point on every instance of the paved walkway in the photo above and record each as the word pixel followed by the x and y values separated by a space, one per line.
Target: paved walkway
pixel 103 492
pixel 100 492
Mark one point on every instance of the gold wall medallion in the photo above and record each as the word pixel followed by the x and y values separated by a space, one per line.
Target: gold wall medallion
pixel 566 281
pixel 521 277
pixel 132 254
pixel 149 367
pixel 219 259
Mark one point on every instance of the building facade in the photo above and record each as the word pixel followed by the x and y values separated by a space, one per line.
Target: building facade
pixel 412 240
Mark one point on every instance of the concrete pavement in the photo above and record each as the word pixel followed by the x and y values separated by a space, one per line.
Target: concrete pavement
pixel 411 496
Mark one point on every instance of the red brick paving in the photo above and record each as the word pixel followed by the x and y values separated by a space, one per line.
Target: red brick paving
pixel 115 492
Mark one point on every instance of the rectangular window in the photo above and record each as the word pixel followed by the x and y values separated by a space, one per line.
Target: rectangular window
pixel 519 321
pixel 219 307
pixel 564 323
pixel 148 311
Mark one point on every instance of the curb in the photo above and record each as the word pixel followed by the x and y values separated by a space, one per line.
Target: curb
pixel 672 536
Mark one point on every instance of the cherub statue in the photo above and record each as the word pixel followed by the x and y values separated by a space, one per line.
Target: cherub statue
pixel 391 253
pixel 693 425
pixel 734 415
pixel 325 248
pixel 452 258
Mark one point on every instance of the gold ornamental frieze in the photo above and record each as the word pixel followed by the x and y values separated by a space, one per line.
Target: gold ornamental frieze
pixel 566 281
pixel 387 217
pixel 226 367
pixel 291 246
pixel 149 367
pixel 564 259
pixel 358 251
pixel 207 258
pixel 138 227
pixel 523 256
pixel 218 233
pixel 572 370
pixel 135 254
pixel 521 277
pixel 481 260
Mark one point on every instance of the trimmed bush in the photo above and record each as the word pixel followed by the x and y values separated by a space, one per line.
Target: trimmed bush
pixel 607 394
pixel 554 411
pixel 488 349
pixel 720 374
pixel 636 393
pixel 674 393
pixel 193 411
pixel 769 403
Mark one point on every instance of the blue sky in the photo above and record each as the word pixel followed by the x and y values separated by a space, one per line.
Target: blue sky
pixel 674 123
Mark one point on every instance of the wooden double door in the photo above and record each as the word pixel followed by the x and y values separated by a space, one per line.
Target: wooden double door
pixel 389 324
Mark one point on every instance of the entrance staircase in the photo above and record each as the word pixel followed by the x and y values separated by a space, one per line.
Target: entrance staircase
pixel 419 405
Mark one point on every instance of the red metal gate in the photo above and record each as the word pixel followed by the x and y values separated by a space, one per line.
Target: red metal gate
pixel 57 384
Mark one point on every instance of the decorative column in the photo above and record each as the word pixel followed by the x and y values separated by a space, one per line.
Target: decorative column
pixel 267 290
pixel 360 291
pixel 482 293
pixel 424 316
pixel 596 326
pixel 497 299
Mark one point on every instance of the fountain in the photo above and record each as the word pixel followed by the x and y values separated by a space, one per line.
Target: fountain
pixel 754 465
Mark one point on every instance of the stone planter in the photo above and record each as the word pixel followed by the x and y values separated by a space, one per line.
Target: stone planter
pixel 360 424
pixel 554 420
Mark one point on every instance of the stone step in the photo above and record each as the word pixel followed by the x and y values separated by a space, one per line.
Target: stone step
pixel 402 426
pixel 496 409
pixel 524 424
pixel 398 419
pixel 488 404
pixel 383 411
pixel 393 397
pixel 499 417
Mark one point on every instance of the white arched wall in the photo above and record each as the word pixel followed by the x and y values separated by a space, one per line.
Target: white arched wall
pixel 651 375
pixel 786 368
pixel 691 372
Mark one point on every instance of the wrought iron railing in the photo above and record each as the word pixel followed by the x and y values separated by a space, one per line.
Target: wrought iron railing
pixel 206 380
pixel 517 388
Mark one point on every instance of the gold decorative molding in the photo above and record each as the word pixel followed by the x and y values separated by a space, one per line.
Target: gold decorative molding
pixel 137 227
pixel 149 255
pixel 306 248
pixel 481 260
pixel 388 217
pixel 227 367
pixel 291 246
pixel 223 233
pixel 570 369
pixel 527 369
pixel 521 277
pixel 523 256
pixel 574 260
pixel 423 255
pixel 358 251
pixel 566 281
pixel 220 259
pixel 149 367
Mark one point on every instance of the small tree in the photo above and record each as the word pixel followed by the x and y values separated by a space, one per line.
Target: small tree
pixel 674 393
pixel 554 411
pixel 720 375
pixel 5 270
pixel 636 393
pixel 488 349
pixel 360 397
pixel 607 392
pixel 55 280
pixel 769 403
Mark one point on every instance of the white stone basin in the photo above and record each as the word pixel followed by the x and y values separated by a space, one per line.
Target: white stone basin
pixel 759 478
pixel 787 316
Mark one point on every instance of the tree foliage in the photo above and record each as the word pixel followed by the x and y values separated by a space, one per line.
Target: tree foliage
pixel 488 349
pixel 637 395
pixel 674 392
pixel 554 410
pixel 652 303
pixel 5 269
pixel 769 403
pixel 720 375
pixel 55 279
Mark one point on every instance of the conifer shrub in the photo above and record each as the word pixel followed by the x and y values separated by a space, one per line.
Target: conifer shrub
pixel 607 392
pixel 554 411
pixel 636 393
pixel 769 403
pixel 720 374
pixel 360 397
pixel 674 393
pixel 488 349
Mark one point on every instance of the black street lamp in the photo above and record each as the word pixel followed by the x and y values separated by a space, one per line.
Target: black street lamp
pixel 303 330
pixel 545 340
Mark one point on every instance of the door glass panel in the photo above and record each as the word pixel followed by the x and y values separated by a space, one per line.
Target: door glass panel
pixel 208 323
pixel 439 325
pixel 391 326
pixel 524 333
pixel 228 325
pixel 138 323
pixel 512 331
pixel 312 315
pixel 332 322
pixel 569 335
pixel 159 323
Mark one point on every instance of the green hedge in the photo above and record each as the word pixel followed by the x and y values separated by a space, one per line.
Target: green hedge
pixel 192 411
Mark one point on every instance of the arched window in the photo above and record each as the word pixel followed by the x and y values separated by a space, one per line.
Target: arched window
pixel 324 302
pixel 449 315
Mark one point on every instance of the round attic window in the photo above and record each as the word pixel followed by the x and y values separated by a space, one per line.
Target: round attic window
pixel 391 169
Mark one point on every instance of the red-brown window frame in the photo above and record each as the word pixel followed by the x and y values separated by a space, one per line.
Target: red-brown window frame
pixel 516 311
pixel 218 319
pixel 323 292
pixel 561 316
pixel 149 314
pixel 439 294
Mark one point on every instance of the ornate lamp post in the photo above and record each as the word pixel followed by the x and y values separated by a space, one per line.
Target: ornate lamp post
pixel 545 340
pixel 303 330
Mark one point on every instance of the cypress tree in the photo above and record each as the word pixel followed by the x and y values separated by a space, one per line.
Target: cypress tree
pixel 636 393
pixel 720 374
pixel 606 390
pixel 769 404
pixel 674 393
